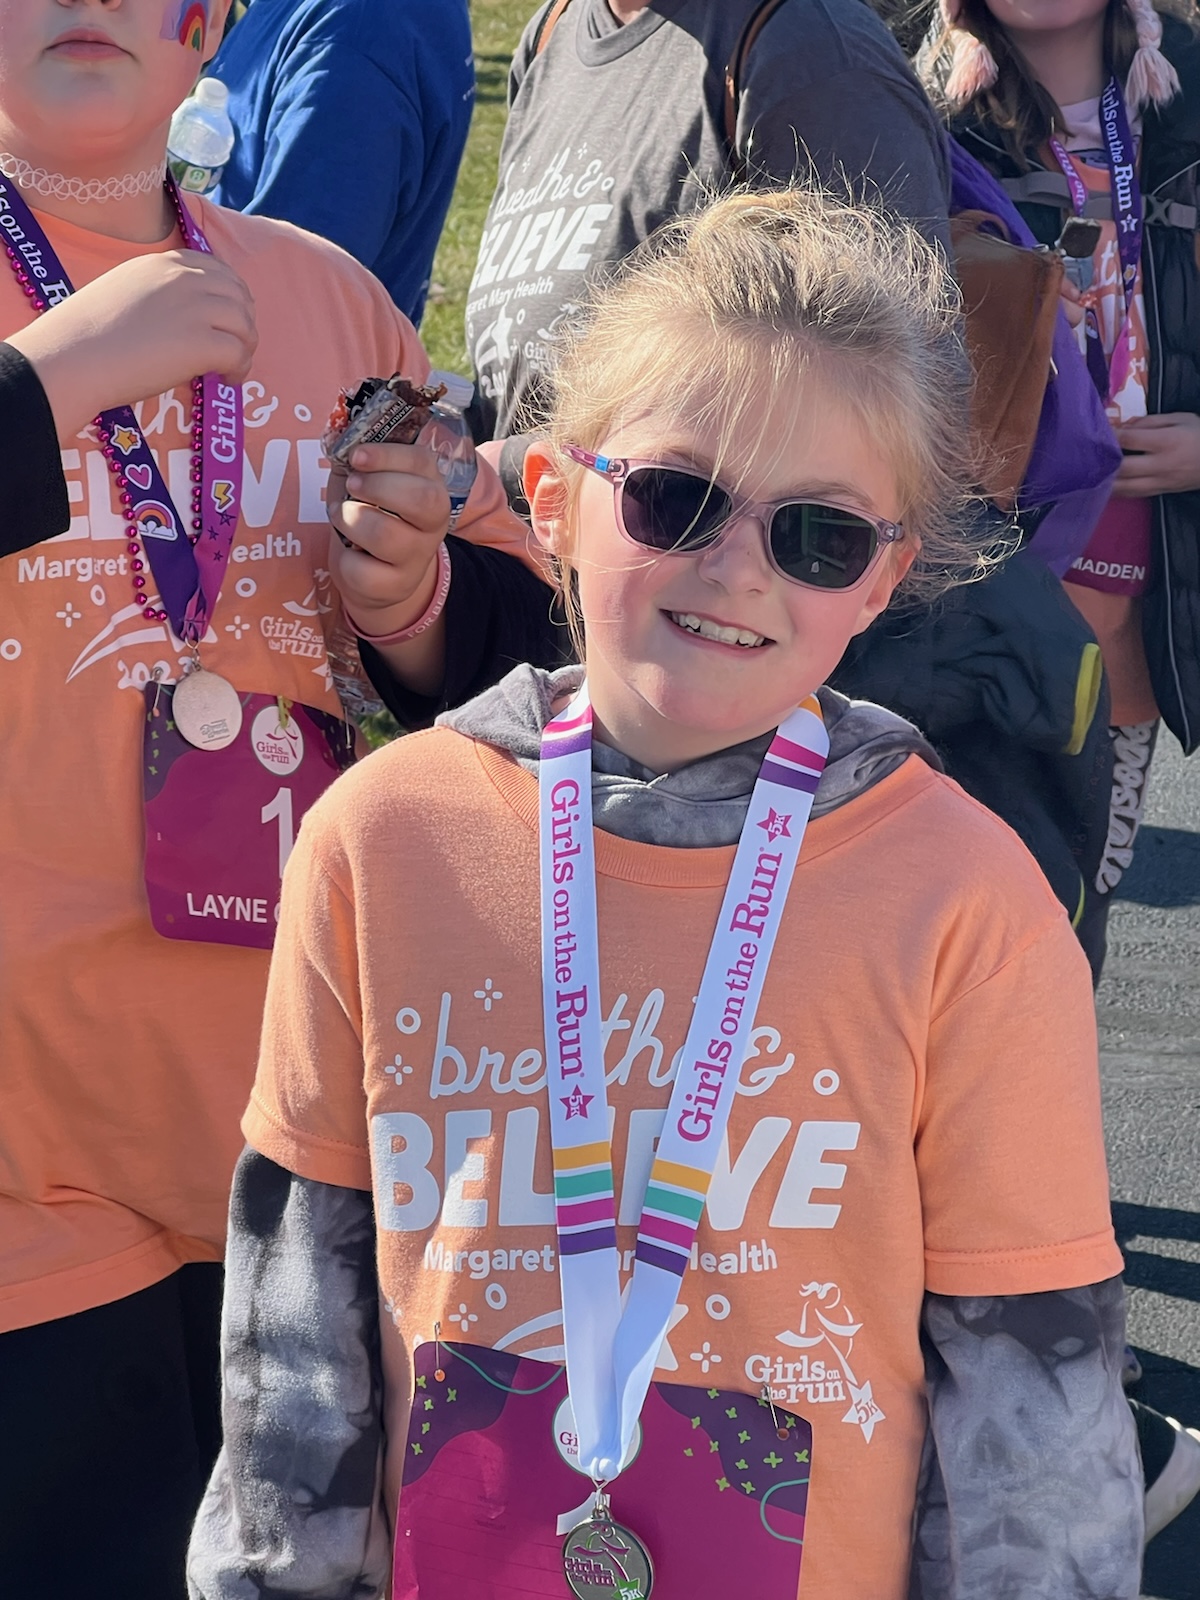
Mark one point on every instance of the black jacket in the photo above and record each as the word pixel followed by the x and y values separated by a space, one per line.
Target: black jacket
pixel 1003 678
pixel 31 475
pixel 1170 178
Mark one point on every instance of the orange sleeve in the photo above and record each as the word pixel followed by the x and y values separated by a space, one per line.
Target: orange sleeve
pixel 307 1110
pixel 1009 1144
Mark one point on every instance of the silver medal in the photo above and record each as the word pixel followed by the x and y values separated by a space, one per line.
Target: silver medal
pixel 207 710
pixel 604 1561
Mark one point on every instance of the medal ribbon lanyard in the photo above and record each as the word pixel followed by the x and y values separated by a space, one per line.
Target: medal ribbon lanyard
pixel 611 1354
pixel 188 575
pixel 1120 152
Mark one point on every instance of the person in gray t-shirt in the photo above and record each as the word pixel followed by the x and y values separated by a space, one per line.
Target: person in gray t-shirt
pixel 618 124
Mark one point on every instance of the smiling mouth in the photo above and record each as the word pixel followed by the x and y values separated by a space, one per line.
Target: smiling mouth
pixel 719 633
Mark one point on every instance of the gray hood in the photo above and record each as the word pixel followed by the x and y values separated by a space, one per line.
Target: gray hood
pixel 704 803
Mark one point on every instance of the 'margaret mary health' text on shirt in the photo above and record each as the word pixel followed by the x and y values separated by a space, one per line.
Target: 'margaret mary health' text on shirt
pixel 615 129
pixel 896 1128
pixel 127 1057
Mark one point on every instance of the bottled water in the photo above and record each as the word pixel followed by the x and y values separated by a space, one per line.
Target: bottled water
pixel 447 433
pixel 201 138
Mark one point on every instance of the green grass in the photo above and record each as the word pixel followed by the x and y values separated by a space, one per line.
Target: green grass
pixel 496 25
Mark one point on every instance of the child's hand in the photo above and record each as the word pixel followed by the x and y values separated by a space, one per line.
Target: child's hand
pixel 1070 302
pixel 394 511
pixel 150 324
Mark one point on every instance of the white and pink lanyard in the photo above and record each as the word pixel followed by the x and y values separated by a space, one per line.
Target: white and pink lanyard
pixel 187 569
pixel 611 1354
pixel 1120 152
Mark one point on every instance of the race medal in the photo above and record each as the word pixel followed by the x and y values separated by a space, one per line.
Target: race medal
pixel 604 1561
pixel 207 710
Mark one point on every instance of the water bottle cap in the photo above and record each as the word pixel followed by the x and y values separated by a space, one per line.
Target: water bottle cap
pixel 460 391
pixel 212 92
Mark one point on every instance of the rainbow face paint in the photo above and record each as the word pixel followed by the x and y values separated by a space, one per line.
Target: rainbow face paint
pixel 186 21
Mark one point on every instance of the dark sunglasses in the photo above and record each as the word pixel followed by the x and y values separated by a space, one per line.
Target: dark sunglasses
pixel 676 512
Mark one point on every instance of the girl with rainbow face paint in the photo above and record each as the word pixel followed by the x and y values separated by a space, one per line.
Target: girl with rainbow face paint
pixel 127 1055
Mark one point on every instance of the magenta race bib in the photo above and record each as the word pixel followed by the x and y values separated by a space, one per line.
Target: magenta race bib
pixel 714 1487
pixel 1117 558
pixel 220 824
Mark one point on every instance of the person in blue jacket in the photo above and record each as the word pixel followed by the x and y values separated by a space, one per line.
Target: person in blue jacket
pixel 351 117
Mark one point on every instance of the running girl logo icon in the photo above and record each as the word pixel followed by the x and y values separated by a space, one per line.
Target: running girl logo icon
pixel 825 1320
pixel 277 741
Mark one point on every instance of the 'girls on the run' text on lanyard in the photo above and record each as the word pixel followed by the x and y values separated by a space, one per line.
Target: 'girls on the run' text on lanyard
pixel 611 1352
pixel 1120 153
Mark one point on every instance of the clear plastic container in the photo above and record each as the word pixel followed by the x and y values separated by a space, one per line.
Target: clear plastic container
pixel 448 434
pixel 201 138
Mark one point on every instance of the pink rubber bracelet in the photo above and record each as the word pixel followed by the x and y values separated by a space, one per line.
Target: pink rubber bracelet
pixel 427 618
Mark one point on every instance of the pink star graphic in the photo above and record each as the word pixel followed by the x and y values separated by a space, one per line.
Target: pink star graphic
pixel 776 826
pixel 577 1103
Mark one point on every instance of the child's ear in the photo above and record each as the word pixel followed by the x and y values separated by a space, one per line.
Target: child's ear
pixel 218 10
pixel 549 502
pixel 897 560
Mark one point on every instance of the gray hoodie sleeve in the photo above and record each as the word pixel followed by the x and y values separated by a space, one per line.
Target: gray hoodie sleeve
pixel 294 1510
pixel 1030 1482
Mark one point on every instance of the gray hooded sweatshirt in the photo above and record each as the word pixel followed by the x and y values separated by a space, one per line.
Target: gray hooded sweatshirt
pixel 1030 1481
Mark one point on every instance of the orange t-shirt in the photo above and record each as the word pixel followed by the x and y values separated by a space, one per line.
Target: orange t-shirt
pixel 127 1058
pixel 919 1108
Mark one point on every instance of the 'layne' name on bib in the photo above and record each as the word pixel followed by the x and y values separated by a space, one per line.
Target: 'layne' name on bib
pixel 230 907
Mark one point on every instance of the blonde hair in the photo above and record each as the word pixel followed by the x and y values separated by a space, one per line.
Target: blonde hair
pixel 745 297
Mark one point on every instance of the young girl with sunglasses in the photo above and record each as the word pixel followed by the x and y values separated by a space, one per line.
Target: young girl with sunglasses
pixel 676 1132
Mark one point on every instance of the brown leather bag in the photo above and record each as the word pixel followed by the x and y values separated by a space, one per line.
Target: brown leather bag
pixel 1010 301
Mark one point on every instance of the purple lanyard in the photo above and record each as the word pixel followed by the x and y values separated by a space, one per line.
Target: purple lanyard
pixel 1121 154
pixel 187 570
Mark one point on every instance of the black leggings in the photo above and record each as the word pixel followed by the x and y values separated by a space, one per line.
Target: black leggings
pixel 109 1426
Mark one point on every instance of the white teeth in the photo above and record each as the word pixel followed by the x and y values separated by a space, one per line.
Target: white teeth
pixel 714 630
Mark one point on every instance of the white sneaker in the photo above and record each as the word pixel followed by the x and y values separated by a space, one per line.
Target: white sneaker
pixel 1177 1484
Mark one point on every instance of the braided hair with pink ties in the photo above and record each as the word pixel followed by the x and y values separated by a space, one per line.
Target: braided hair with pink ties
pixel 1152 79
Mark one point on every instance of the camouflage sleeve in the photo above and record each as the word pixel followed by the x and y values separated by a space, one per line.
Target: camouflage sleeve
pixel 1030 1482
pixel 294 1510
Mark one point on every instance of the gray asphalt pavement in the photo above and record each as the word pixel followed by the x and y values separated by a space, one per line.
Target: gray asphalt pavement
pixel 1148 1007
